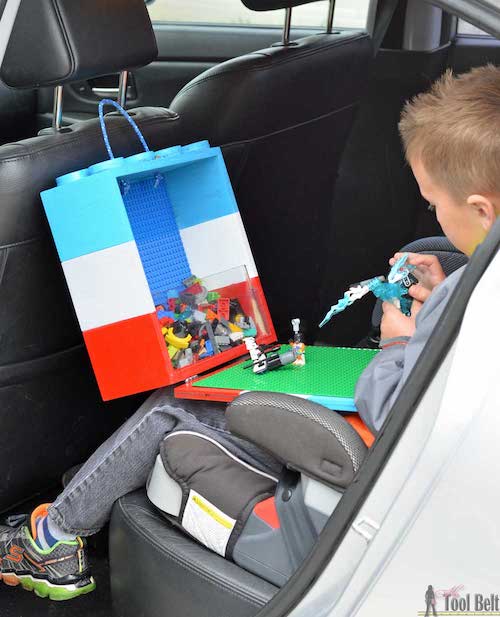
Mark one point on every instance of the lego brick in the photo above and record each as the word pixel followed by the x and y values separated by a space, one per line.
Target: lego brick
pixel 130 230
pixel 156 234
pixel 108 286
pixel 209 197
pixel 218 245
pixel 251 296
pixel 128 356
pixel 86 216
pixel 223 308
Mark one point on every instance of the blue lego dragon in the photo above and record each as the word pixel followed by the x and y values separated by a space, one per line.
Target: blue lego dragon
pixel 393 289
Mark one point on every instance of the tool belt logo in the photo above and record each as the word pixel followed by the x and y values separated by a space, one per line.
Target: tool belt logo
pixel 456 601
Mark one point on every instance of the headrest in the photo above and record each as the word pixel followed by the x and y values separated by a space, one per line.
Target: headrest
pixel 59 41
pixel 271 5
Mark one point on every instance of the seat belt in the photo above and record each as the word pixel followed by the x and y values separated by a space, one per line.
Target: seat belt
pixel 386 11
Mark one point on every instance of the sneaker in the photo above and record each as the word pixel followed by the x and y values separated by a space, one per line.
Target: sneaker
pixel 59 573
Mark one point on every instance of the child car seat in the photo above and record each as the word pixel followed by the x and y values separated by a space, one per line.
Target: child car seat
pixel 265 524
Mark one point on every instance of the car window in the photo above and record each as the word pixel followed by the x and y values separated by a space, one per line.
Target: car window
pixel 469 29
pixel 348 13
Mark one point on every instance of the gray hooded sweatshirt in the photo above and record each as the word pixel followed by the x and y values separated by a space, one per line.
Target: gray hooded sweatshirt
pixel 382 380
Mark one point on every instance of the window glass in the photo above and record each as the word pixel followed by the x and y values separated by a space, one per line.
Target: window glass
pixel 466 28
pixel 348 13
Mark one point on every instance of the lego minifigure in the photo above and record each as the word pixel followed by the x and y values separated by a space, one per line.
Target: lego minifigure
pixel 263 362
pixel 297 343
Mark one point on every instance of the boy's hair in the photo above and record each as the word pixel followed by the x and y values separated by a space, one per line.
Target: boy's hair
pixel 455 131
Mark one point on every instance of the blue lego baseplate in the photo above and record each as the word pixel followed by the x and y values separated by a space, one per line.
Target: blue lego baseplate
pixel 156 234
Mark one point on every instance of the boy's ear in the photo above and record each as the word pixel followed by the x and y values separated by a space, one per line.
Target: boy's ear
pixel 485 209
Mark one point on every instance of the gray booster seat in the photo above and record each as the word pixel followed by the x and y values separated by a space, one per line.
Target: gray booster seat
pixel 265 524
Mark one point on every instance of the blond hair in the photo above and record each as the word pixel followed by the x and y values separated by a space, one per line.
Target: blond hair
pixel 455 131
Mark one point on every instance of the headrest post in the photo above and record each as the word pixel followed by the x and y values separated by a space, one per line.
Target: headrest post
pixel 288 23
pixel 58 109
pixel 331 11
pixel 122 89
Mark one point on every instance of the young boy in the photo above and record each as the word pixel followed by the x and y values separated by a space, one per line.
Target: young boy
pixel 452 143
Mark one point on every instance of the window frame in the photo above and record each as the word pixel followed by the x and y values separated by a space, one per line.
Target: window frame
pixel 369 26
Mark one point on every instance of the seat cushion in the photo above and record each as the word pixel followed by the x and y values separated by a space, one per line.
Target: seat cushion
pixel 156 570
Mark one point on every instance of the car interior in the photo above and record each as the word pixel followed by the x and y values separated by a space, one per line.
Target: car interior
pixel 307 122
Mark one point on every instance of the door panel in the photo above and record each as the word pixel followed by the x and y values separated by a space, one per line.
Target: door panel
pixel 470 51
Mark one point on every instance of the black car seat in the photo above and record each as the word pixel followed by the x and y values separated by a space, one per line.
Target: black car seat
pixel 282 160
pixel 51 412
pixel 17 114
pixel 149 556
pixel 260 528
pixel 18 109
pixel 285 149
pixel 283 115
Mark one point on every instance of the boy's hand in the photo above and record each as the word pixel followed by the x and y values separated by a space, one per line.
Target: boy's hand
pixel 395 324
pixel 428 271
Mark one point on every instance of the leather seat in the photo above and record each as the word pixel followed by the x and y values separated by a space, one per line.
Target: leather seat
pixel 51 413
pixel 17 114
pixel 274 522
pixel 283 131
pixel 282 116
pixel 283 127
pixel 157 570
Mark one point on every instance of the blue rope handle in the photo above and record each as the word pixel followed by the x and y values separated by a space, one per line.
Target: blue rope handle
pixel 128 118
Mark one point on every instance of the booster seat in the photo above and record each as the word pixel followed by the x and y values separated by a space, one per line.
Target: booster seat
pixel 264 524
pixel 149 554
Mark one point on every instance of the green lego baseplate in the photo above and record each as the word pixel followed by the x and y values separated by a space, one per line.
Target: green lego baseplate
pixel 329 372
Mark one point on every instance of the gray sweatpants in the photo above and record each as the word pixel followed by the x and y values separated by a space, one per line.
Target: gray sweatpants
pixel 123 462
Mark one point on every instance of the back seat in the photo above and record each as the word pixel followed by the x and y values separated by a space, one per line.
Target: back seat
pixel 18 110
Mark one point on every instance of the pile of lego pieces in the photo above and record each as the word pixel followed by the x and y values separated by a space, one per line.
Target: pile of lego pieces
pixel 197 323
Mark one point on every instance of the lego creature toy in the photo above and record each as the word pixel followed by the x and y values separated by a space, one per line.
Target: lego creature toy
pixel 394 289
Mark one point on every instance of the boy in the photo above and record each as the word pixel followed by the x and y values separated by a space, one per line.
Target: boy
pixel 452 143
pixel 453 146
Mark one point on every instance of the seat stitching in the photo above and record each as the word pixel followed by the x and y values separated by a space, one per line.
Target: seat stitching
pixel 14 245
pixel 78 139
pixel 3 263
pixel 292 127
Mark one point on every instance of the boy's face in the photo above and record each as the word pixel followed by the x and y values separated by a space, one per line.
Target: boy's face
pixel 466 223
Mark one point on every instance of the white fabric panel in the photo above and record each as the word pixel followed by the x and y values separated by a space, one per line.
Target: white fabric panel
pixel 163 491
pixel 217 246
pixel 205 522
pixel 108 286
